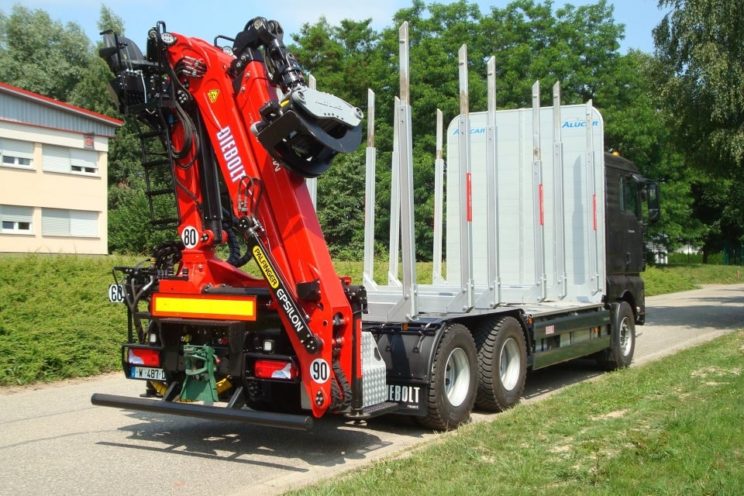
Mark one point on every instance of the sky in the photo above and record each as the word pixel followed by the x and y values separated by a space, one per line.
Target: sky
pixel 228 17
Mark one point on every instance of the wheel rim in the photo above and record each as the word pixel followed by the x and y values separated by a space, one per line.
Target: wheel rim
pixel 626 336
pixel 457 377
pixel 510 364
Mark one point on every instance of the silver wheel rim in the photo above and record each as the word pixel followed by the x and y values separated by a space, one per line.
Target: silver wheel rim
pixel 626 337
pixel 457 377
pixel 510 364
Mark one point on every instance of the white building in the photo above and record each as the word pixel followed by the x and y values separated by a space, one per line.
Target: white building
pixel 53 175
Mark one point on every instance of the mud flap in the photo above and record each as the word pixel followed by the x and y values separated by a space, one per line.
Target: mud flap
pixel 408 351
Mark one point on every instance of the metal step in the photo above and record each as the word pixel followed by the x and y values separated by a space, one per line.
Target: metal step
pixel 150 134
pixel 164 222
pixel 374 411
pixel 159 192
pixel 156 162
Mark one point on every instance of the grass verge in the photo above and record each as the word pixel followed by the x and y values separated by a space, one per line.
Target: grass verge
pixel 55 318
pixel 670 427
pixel 673 278
pixel 56 321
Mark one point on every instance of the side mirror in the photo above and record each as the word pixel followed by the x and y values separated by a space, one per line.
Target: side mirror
pixel 652 199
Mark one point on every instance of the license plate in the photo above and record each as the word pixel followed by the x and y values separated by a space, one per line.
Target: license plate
pixel 148 373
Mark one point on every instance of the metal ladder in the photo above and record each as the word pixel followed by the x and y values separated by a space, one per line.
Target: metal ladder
pixel 157 162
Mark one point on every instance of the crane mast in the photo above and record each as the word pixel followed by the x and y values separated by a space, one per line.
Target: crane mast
pixel 242 131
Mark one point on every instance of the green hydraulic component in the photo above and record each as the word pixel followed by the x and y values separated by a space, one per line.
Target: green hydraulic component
pixel 200 384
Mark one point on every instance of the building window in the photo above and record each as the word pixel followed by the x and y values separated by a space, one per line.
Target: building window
pixel 16 153
pixel 16 220
pixel 73 223
pixel 61 159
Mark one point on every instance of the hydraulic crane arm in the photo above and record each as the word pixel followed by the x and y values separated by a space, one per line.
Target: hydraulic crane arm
pixel 243 131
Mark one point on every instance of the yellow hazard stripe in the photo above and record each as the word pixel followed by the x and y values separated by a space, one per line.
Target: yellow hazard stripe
pixel 243 309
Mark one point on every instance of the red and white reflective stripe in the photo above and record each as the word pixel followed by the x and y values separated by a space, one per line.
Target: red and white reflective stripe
pixel 594 211
pixel 469 196
pixel 542 204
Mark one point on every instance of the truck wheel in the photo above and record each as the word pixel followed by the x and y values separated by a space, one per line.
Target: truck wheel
pixel 453 381
pixel 502 363
pixel 622 339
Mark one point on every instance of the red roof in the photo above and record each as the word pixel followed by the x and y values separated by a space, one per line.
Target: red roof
pixel 9 88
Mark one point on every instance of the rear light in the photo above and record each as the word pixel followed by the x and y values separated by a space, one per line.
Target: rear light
pixel 146 357
pixel 275 369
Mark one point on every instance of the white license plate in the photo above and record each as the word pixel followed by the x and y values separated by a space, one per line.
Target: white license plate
pixel 148 373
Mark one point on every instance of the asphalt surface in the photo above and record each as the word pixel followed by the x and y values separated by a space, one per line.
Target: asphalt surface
pixel 53 441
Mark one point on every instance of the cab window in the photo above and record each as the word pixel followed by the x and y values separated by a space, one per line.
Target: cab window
pixel 629 196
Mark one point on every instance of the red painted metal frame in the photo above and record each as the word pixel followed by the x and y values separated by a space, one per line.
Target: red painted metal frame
pixel 292 232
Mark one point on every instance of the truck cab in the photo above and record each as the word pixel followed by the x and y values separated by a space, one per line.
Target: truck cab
pixel 627 221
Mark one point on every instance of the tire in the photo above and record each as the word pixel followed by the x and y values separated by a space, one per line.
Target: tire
pixel 502 363
pixel 622 339
pixel 453 381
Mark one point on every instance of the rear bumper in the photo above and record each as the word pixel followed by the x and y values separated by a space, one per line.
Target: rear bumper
pixel 268 419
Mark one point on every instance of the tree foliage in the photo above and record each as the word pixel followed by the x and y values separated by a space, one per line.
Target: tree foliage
pixel 129 227
pixel 92 89
pixel 700 44
pixel 701 55
pixel 635 125
pixel 531 41
pixel 677 115
pixel 42 55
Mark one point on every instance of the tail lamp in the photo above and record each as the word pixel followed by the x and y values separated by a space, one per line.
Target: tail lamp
pixel 275 369
pixel 147 357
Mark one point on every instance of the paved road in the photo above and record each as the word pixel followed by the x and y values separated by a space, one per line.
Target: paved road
pixel 53 441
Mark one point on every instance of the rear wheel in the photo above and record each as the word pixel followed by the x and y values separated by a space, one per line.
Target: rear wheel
pixel 622 339
pixel 453 381
pixel 502 363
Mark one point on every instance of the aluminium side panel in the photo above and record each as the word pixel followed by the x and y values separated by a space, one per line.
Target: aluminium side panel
pixel 583 206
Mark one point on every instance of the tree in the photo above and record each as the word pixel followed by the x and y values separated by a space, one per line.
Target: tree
pixel 92 90
pixel 636 126
pixel 129 229
pixel 530 40
pixel 341 59
pixel 108 20
pixel 699 46
pixel 42 55
pixel 341 206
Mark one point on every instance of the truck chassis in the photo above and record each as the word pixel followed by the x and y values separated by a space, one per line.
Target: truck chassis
pixel 243 138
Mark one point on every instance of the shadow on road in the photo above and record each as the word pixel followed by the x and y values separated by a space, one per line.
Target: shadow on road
pixel 551 379
pixel 725 300
pixel 701 316
pixel 332 441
